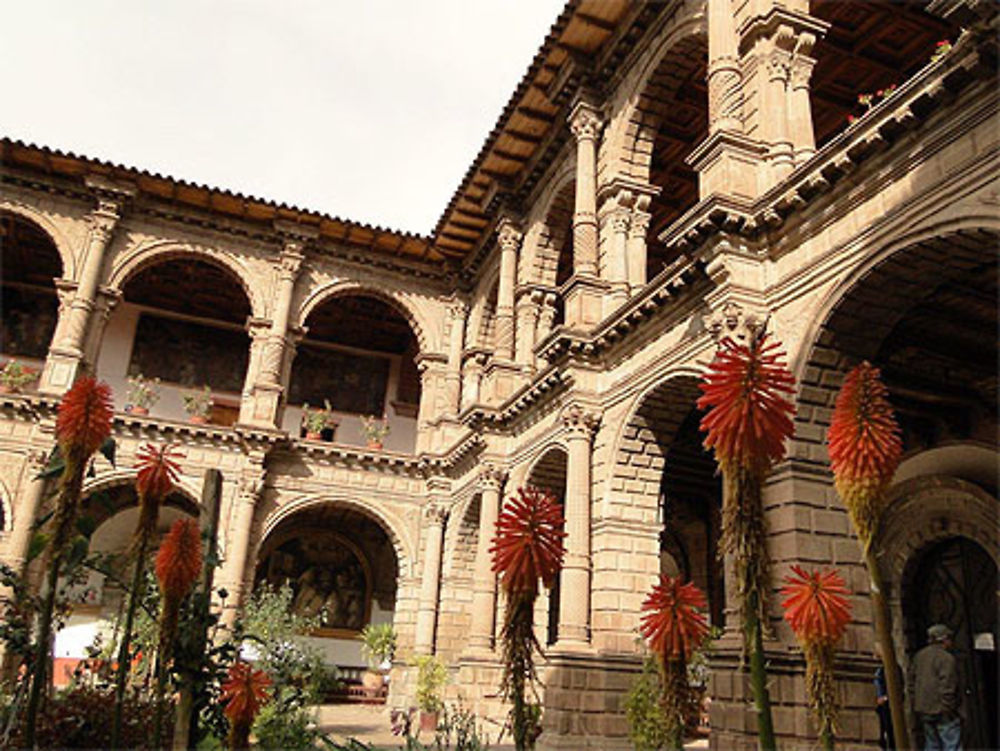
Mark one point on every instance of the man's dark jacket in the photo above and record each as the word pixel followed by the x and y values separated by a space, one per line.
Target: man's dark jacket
pixel 935 681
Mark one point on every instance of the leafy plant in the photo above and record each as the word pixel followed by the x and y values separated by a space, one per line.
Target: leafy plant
pixel 374 429
pixel 143 392
pixel 199 403
pixel 317 419
pixel 15 375
pixel 648 725
pixel 431 678
pixel 378 644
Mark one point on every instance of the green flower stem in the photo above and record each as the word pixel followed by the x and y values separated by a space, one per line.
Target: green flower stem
pixel 883 634
pixel 758 678
pixel 135 594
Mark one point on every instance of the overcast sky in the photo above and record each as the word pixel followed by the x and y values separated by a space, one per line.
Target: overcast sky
pixel 370 110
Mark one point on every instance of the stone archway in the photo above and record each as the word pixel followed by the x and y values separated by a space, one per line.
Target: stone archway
pixel 549 473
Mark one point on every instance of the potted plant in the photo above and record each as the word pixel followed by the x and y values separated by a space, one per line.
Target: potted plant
pixel 378 642
pixel 142 394
pixel 316 420
pixel 198 405
pixel 431 677
pixel 374 429
pixel 14 376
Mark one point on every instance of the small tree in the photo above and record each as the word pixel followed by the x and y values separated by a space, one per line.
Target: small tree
pixel 818 611
pixel 865 449
pixel 674 628
pixel 748 421
pixel 527 549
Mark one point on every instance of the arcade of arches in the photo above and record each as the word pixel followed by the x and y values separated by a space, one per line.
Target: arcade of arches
pixel 666 174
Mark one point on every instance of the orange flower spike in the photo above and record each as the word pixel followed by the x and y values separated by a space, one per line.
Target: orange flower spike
pixel 672 623
pixel 178 562
pixel 864 440
pixel 529 540
pixel 158 471
pixel 84 419
pixel 749 417
pixel 245 692
pixel 816 605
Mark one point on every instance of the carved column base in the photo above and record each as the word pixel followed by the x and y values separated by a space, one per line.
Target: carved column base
pixel 60 370
pixel 262 407
pixel 728 164
pixel 583 298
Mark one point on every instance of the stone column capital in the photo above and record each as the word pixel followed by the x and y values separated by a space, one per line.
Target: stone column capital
pixel 585 121
pixel 491 477
pixel 436 513
pixel 289 261
pixel 639 222
pixel 508 234
pixel 800 71
pixel 458 308
pixel 580 422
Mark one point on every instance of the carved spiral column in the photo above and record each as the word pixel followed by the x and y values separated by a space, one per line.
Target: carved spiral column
pixel 107 301
pixel 472 377
pixel 289 263
pixel 725 80
pixel 546 317
pixel 509 239
pixel 620 218
pixel 239 530
pixel 435 517
pixel 484 586
pixel 635 249
pixel 799 103
pixel 528 303
pixel 29 500
pixel 585 123
pixel 574 595
pixel 456 336
pixel 257 329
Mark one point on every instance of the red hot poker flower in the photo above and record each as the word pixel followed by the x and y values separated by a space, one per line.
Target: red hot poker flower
pixel 84 420
pixel 816 605
pixel 671 623
pixel 245 692
pixel 179 561
pixel 158 471
pixel 529 540
pixel 749 418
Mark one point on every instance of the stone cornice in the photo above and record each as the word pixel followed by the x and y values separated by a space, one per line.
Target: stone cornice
pixel 542 388
pixel 898 114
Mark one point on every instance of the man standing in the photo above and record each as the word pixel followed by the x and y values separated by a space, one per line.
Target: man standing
pixel 936 694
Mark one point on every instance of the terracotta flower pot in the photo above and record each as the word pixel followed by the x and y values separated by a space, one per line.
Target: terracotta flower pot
pixel 428 721
pixel 376 445
pixel 5 389
pixel 373 681
pixel 198 420
pixel 138 410
pixel 314 436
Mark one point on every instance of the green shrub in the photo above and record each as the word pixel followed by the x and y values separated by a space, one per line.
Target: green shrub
pixel 647 721
pixel 431 677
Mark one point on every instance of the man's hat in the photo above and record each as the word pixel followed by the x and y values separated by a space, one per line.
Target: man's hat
pixel 938 632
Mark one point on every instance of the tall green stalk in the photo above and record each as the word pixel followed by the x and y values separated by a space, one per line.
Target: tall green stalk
pixel 124 662
pixel 883 634
pixel 758 681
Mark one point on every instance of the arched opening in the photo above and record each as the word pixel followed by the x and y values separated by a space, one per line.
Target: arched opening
pixel 671 120
pixel 549 473
pixel 97 601
pixel 182 320
pixel 869 47
pixel 555 246
pixel 359 355
pixel 954 582
pixel 343 570
pixel 29 304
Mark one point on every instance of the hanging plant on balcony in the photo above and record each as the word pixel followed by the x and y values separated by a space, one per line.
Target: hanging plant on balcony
pixel 817 609
pixel 674 628
pixel 244 692
pixel 748 420
pixel 527 550
pixel 83 426
pixel 178 564
pixel 865 449
pixel 157 476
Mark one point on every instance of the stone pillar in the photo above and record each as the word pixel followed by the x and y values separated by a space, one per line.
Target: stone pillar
pixel 774 102
pixel 725 95
pixel 472 377
pixel 528 302
pixel 618 271
pixel 484 586
pixel 435 516
pixel 432 368
pixel 546 316
pixel 29 499
pixel 238 533
pixel 257 329
pixel 635 248
pixel 106 303
pixel 269 388
pixel 509 239
pixel 456 336
pixel 67 353
pixel 574 595
pixel 799 104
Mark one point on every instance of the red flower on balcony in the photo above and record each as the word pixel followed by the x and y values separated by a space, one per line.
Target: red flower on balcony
pixel 158 471
pixel 672 622
pixel 816 605
pixel 865 446
pixel 84 419
pixel 529 540
pixel 749 417
pixel 178 563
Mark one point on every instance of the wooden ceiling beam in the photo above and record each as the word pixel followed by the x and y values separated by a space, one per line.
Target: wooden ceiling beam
pixel 600 23
pixel 535 114
pixel 523 137
pixel 509 155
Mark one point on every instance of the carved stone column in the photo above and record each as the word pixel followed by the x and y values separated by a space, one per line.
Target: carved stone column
pixel 432 369
pixel 546 316
pixel 435 517
pixel 585 123
pixel 457 311
pixel 799 104
pixel 269 387
pixel 107 301
pixel 484 586
pixel 635 248
pixel 528 303
pixel 238 533
pixel 29 500
pixel 472 377
pixel 67 353
pixel 774 102
pixel 257 329
pixel 509 239
pixel 619 218
pixel 574 596
pixel 725 94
